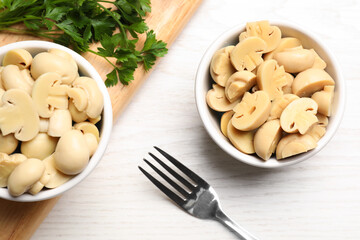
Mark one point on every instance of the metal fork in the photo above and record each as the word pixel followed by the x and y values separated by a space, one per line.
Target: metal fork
pixel 201 202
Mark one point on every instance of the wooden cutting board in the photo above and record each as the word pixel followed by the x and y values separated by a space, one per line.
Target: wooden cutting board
pixel 168 17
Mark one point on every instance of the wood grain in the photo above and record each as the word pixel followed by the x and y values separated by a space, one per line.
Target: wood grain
pixel 20 220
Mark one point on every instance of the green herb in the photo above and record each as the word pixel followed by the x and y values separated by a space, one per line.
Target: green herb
pixel 78 23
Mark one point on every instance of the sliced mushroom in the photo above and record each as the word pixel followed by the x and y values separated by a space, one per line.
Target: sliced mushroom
pixel 18 57
pixel 324 100
pixel 224 122
pixel 71 153
pixel 271 78
pixel 299 115
pixel 79 98
pixel 217 100
pixel 238 84
pixel 270 34
pixel 13 79
pixel 316 132
pixel 294 144
pixel 8 143
pixel 295 61
pixel 310 81
pixel 1 84
pixel 44 125
pixel 59 123
pixel 46 62
pixel 285 43
pixel 63 54
pixel 39 147
pixel 25 73
pixel 247 53
pixel 252 111
pixel 319 62
pixel 87 127
pixel 243 141
pixel 91 142
pixel 18 115
pixel 36 188
pixel 279 104
pixel 1 94
pixel 76 115
pixel 287 88
pixel 7 165
pixel 221 68
pixel 95 120
pixel 24 176
pixel 323 120
pixel 57 178
pixel 95 99
pixel 48 94
pixel 266 139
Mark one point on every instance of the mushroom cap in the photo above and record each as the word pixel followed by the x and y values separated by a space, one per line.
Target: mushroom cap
pixel 279 104
pixel 324 100
pixel 46 62
pixel 88 127
pixel 95 98
pixel 217 100
pixel 318 62
pixel 91 142
pixel 59 123
pixel 310 81
pixel 63 54
pixel 79 98
pixel 239 83
pixel 220 66
pixel 247 53
pixel 7 165
pixel 18 115
pixel 25 175
pixel 243 141
pixel 295 61
pixel 8 143
pixel 57 178
pixel 287 88
pixel 76 115
pixel 299 115
pixel 39 147
pixel 293 144
pixel 19 57
pixel 285 43
pixel 271 78
pixel 266 138
pixel 71 153
pixel 224 122
pixel 12 78
pixel 252 111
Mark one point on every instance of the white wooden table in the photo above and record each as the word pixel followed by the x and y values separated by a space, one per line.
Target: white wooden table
pixel 316 199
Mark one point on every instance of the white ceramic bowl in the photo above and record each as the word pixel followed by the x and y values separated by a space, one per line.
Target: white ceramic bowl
pixel 85 69
pixel 211 119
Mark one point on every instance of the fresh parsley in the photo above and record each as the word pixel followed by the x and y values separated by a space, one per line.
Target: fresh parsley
pixel 78 23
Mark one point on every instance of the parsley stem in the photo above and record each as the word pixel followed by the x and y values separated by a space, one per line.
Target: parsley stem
pixel 20 20
pixel 96 53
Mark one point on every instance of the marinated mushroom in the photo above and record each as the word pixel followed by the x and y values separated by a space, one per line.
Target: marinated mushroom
pixel 270 34
pixel 79 98
pixel 299 115
pixel 318 62
pixel 95 99
pixel 317 131
pixel 39 147
pixel 7 165
pixel 76 115
pixel 295 61
pixel 243 141
pixel 1 84
pixel 91 142
pixel 279 104
pixel 285 43
pixel 12 78
pixel 224 122
pixel 46 62
pixel 252 111
pixel 294 144
pixel 289 79
pixel 24 176
pixel 266 139
pixel 324 100
pixel 271 78
pixel 44 125
pixel 323 120
pixel 238 84
pixel 63 54
pixel 220 67
pixel 57 178
pixel 8 143
pixel 19 57
pixel 59 123
pixel 247 53
pixel 310 81
pixel 217 100
pixel 95 120
pixel 71 153
pixel 18 115
pixel 87 127
pixel 48 94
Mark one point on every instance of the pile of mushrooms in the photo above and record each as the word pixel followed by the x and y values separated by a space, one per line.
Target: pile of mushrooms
pixel 48 117
pixel 275 95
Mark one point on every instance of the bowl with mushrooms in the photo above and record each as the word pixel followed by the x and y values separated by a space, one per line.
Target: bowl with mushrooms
pixel 270 94
pixel 55 120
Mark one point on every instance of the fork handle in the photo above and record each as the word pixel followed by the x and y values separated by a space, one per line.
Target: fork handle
pixel 221 217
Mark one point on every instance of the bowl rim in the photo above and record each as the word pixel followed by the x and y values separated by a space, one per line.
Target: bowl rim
pixel 104 134
pixel 223 143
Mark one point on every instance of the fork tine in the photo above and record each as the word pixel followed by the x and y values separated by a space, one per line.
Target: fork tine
pixel 198 180
pixel 178 200
pixel 169 180
pixel 172 172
